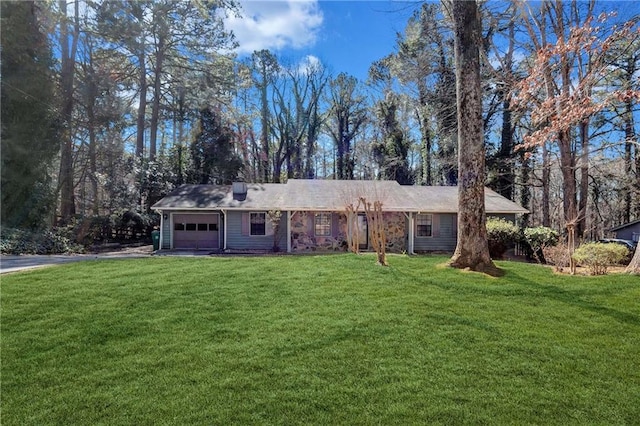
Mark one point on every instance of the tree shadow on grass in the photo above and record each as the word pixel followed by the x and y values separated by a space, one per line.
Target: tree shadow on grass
pixel 571 298
pixel 513 284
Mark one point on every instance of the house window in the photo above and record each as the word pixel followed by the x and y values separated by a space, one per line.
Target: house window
pixel 258 223
pixel 322 224
pixel 424 225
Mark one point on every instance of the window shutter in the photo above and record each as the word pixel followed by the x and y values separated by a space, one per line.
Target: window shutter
pixel 436 225
pixel 246 224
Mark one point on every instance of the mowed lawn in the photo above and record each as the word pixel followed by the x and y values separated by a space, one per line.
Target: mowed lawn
pixel 317 340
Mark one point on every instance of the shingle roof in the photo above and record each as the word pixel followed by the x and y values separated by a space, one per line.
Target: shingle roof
pixel 313 194
pixel 331 195
pixel 265 196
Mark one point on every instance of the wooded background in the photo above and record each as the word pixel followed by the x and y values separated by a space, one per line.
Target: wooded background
pixel 108 105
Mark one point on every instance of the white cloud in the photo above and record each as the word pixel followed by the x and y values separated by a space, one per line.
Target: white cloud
pixel 275 25
pixel 309 64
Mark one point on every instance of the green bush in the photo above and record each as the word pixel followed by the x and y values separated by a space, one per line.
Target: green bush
pixel 18 241
pixel 501 235
pixel 597 257
pixel 539 238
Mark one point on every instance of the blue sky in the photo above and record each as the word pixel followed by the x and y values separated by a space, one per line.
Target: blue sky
pixel 346 36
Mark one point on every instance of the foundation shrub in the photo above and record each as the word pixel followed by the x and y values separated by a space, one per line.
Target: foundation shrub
pixel 597 257
pixel 501 234
pixel 542 241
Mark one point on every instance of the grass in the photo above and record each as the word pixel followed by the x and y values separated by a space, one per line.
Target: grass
pixel 317 340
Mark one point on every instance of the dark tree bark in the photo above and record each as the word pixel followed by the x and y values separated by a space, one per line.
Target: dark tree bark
pixel 546 182
pixel 68 48
pixel 472 250
pixel 142 106
pixel 157 95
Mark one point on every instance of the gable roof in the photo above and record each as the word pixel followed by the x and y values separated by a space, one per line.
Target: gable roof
pixel 328 195
pixel 260 196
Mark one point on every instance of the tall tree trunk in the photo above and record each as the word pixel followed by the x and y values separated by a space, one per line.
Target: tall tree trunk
pixel 312 137
pixel 506 175
pixel 157 94
pixel 138 13
pixel 472 249
pixel 628 187
pixel 525 195
pixel 546 183
pixel 67 76
pixel 142 104
pixel 426 153
pixel 567 168
pixel 584 180
pixel 264 161
pixel 93 169
pixel 629 142
pixel 425 134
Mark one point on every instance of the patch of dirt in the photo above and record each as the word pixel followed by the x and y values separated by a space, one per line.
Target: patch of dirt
pixel 585 271
pixel 120 249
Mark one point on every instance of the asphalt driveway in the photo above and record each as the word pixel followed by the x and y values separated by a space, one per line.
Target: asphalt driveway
pixel 10 263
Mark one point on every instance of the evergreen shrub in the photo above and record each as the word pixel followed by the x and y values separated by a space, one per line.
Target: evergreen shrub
pixel 501 234
pixel 19 241
pixel 539 239
pixel 597 257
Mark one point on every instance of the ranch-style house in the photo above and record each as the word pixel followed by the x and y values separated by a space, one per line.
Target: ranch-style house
pixel 313 216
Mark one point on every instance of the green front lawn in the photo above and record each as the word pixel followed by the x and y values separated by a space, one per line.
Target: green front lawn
pixel 317 340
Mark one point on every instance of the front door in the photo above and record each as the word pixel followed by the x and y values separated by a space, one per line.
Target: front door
pixel 363 232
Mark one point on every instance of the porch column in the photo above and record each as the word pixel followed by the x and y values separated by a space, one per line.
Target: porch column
pixel 410 238
pixel 224 229
pixel 161 230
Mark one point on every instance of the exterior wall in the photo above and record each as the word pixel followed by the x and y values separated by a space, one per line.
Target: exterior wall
pixel 444 234
pixel 303 238
pixel 627 233
pixel 396 230
pixel 237 241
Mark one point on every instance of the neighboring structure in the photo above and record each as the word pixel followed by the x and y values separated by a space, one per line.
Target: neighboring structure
pixel 628 231
pixel 314 215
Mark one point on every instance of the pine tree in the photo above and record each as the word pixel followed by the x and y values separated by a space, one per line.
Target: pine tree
pixel 212 153
pixel 29 141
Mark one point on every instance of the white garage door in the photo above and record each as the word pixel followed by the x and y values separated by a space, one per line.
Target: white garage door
pixel 196 231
